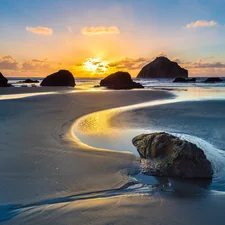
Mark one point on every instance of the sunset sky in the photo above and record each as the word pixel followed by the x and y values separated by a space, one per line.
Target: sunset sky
pixel 97 37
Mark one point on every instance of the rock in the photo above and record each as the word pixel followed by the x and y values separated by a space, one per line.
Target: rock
pixel 28 81
pixel 213 80
pixel 162 67
pixel 4 81
pixel 61 78
pixel 170 156
pixel 120 80
pixel 184 80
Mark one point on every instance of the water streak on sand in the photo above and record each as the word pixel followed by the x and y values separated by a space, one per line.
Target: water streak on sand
pixel 96 131
pixel 132 188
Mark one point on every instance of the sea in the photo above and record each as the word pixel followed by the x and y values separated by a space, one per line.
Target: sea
pixel 88 83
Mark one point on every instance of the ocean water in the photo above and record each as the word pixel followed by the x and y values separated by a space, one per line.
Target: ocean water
pixel 88 83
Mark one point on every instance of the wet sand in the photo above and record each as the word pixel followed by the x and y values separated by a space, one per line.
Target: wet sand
pixel 47 177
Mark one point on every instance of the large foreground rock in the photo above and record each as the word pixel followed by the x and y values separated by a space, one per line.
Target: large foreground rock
pixel 170 156
pixel 61 78
pixel 3 81
pixel 162 67
pixel 213 80
pixel 119 80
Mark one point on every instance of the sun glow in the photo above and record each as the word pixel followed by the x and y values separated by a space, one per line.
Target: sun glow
pixel 95 65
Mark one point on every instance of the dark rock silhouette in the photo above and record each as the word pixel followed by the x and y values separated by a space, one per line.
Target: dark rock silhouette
pixel 4 81
pixel 162 67
pixel 60 78
pixel 213 80
pixel 120 80
pixel 184 80
pixel 28 81
pixel 168 155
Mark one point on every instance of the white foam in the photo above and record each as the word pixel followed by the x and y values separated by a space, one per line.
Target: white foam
pixel 213 154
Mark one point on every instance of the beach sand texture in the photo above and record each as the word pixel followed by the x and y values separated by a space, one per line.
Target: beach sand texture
pixel 49 178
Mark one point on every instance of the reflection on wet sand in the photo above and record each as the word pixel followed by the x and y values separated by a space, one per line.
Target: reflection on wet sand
pixel 96 130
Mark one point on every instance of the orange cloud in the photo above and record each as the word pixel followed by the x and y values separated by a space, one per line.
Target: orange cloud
pixel 129 63
pixel 90 31
pixel 40 30
pixel 8 63
pixel 201 23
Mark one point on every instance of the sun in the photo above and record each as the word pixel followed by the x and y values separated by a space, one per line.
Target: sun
pixel 95 65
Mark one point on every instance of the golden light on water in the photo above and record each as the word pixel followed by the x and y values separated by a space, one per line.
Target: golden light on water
pixel 95 65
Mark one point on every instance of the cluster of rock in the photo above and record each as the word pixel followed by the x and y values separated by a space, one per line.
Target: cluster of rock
pixel 162 67
pixel 28 81
pixel 208 80
pixel 167 155
pixel 119 80
pixel 184 80
pixel 213 80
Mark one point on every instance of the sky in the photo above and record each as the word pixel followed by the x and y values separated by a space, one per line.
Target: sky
pixel 93 38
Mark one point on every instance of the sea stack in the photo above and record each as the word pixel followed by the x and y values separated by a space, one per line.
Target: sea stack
pixel 120 80
pixel 162 67
pixel 61 78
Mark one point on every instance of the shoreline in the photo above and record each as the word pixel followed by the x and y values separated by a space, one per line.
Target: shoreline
pixel 41 163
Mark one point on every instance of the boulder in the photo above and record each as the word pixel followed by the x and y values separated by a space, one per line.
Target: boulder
pixel 184 80
pixel 167 155
pixel 120 80
pixel 213 80
pixel 28 81
pixel 3 81
pixel 61 78
pixel 162 67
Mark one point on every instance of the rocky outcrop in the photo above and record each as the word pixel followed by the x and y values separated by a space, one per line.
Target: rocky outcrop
pixel 213 80
pixel 119 80
pixel 61 78
pixel 184 80
pixel 167 155
pixel 162 67
pixel 27 81
pixel 3 81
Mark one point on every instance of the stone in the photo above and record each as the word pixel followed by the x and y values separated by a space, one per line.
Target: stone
pixel 119 80
pixel 166 155
pixel 60 78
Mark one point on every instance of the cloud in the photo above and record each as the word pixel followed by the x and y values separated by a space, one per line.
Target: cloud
pixel 177 59
pixel 161 54
pixel 91 31
pixel 40 30
pixel 201 23
pixel 130 64
pixel 8 63
pixel 200 65
pixel 35 65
